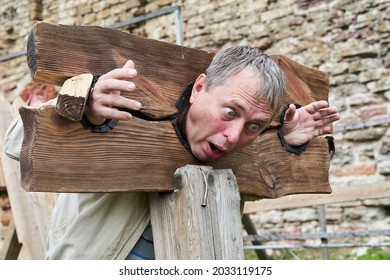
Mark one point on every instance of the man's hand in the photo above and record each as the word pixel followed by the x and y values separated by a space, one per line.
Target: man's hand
pixel 106 98
pixel 301 125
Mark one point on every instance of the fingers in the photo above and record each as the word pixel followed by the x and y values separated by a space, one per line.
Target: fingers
pixel 326 116
pixel 118 101
pixel 127 72
pixel 316 106
pixel 106 96
pixel 111 85
pixel 113 113
pixel 318 109
pixel 322 124
pixel 321 110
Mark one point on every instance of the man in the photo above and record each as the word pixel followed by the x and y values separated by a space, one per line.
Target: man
pixel 224 109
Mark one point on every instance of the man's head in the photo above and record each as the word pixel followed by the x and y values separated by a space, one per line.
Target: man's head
pixel 237 97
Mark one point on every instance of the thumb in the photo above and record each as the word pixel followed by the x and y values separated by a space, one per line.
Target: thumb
pixel 290 113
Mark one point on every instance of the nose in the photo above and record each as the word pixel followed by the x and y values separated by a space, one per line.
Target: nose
pixel 233 132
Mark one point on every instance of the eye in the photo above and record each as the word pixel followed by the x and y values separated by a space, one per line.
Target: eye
pixel 230 112
pixel 253 128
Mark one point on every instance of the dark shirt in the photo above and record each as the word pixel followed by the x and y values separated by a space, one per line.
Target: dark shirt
pixel 183 104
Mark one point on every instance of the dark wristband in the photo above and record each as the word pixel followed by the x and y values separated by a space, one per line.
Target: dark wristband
pixel 292 149
pixel 94 80
pixel 104 127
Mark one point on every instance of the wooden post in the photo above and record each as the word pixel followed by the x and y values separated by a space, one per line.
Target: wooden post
pixel 200 219
pixel 11 246
pixel 322 220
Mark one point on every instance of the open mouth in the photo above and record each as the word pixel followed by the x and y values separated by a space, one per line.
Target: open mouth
pixel 215 149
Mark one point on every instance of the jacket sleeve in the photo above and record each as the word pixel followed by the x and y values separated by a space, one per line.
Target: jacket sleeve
pixel 14 136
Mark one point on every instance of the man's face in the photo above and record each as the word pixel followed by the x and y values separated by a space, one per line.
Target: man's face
pixel 225 118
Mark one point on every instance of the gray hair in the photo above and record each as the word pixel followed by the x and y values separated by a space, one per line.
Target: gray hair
pixel 230 61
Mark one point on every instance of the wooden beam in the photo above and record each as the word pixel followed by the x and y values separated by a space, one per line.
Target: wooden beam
pixel 57 154
pixel 338 195
pixel 203 214
pixel 56 53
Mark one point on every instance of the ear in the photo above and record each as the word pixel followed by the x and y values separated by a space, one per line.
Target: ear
pixel 197 89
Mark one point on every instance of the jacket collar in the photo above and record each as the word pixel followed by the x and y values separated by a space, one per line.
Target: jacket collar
pixel 183 105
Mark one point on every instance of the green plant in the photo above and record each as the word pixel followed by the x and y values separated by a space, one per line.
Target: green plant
pixel 375 254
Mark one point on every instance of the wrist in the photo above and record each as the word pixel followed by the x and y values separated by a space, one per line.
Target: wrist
pixel 93 119
pixel 292 149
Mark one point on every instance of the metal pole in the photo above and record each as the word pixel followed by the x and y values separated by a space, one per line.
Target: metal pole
pixel 12 55
pixel 251 229
pixel 324 240
pixel 179 27
pixel 158 13
pixel 155 14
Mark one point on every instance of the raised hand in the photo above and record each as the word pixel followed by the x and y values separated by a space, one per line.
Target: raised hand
pixel 106 97
pixel 301 125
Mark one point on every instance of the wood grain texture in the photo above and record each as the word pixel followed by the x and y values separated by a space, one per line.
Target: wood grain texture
pixel 73 96
pixel 70 158
pixel 59 155
pixel 29 216
pixel 205 229
pixel 56 53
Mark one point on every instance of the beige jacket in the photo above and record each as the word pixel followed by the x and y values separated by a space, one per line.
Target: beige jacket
pixel 89 226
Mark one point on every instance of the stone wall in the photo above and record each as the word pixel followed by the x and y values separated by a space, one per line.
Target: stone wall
pixel 348 39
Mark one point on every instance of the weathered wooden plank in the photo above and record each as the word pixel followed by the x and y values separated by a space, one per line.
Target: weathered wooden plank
pixel 57 155
pixel 56 53
pixel 10 245
pixel 73 96
pixel 304 84
pixel 203 213
pixel 338 195
pixel 62 152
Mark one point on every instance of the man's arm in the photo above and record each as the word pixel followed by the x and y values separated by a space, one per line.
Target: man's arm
pixel 13 139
